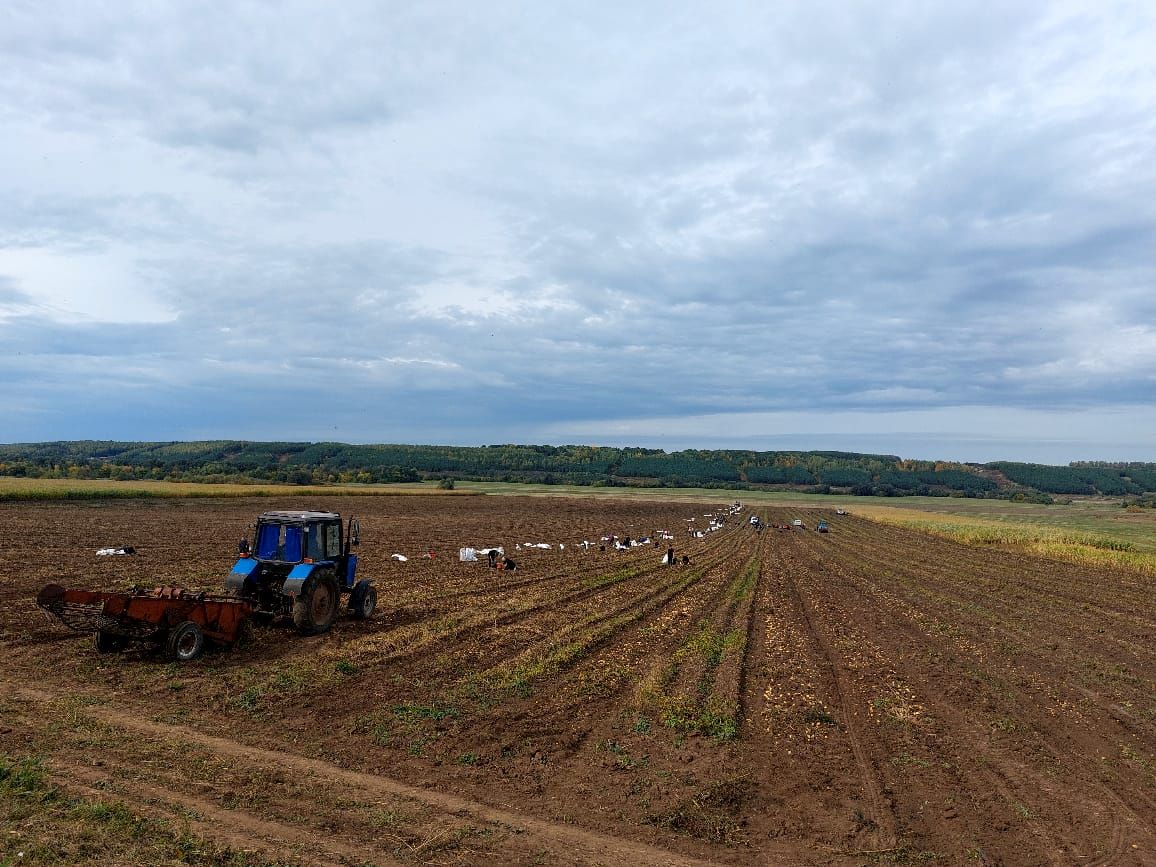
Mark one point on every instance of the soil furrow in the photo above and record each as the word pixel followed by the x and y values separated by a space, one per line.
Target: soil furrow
pixel 879 811
pixel 596 846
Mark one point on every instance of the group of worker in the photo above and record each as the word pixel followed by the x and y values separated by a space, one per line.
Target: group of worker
pixel 507 564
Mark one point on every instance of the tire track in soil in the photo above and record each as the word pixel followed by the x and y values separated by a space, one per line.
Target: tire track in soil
pixel 838 600
pixel 1118 849
pixel 562 839
pixel 809 794
pixel 917 603
pixel 929 554
pixel 1057 674
pixel 870 778
pixel 235 828
pixel 1059 661
pixel 1005 779
pixel 997 779
pixel 1011 774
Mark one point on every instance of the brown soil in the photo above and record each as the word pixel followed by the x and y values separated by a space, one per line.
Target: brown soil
pixel 870 695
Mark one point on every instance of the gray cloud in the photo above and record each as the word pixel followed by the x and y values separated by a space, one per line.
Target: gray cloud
pixel 466 223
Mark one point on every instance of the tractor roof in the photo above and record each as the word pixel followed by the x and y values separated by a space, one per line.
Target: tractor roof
pixel 297 517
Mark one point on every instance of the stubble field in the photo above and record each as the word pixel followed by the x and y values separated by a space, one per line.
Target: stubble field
pixel 870 695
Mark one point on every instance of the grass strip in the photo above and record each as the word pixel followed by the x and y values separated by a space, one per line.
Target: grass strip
pixel 48 826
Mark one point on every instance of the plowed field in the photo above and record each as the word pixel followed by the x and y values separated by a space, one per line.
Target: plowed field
pixel 869 695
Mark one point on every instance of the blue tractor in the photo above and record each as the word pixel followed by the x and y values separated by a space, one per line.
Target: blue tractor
pixel 298 564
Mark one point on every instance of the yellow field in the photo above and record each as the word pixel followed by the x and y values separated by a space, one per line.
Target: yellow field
pixel 1092 548
pixel 51 489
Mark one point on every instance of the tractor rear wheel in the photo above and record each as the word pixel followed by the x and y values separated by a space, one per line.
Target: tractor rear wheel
pixel 316 608
pixel 110 642
pixel 186 642
pixel 363 600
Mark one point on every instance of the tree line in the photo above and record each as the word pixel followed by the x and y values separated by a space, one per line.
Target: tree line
pixel 1082 478
pixel 819 472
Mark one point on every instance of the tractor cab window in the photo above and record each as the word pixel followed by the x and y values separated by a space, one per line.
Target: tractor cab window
pixel 315 549
pixel 292 548
pixel 268 540
pixel 279 542
pixel 324 541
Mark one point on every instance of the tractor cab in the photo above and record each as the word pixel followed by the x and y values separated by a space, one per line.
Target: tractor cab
pixel 299 564
pixel 297 537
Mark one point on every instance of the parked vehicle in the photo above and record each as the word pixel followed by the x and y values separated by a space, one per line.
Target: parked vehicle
pixel 821 527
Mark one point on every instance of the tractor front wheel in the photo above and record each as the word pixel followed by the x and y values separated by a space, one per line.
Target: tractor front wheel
pixel 316 608
pixel 186 642
pixel 363 600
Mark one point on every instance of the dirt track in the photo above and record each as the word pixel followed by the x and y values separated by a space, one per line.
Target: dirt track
pixel 864 696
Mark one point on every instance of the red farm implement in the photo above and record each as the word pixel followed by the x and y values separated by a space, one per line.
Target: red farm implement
pixel 180 620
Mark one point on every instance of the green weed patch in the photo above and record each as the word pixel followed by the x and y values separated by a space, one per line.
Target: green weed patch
pixel 51 827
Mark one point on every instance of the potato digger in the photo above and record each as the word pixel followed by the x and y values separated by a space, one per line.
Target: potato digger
pixel 297 566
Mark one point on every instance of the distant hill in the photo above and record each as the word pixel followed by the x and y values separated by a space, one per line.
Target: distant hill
pixel 820 472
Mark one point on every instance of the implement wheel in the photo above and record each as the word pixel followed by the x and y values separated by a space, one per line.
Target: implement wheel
pixel 316 608
pixel 186 642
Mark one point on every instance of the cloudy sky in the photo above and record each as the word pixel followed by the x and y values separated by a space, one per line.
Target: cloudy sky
pixel 924 229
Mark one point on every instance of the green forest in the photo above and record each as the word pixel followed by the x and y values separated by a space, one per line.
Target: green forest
pixel 819 472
